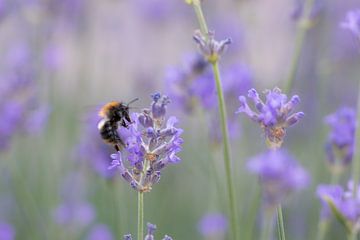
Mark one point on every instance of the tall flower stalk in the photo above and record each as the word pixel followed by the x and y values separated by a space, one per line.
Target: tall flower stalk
pixel 303 26
pixel 151 143
pixel 212 50
pixel 274 116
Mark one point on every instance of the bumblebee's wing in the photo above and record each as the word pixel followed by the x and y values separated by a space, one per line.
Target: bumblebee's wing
pixel 101 123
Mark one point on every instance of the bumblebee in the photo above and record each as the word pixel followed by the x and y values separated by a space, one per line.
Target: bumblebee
pixel 112 115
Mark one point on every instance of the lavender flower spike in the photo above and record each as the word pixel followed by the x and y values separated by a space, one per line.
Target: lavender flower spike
pixel 274 115
pixel 152 142
pixel 342 202
pixel 127 237
pixel 352 22
pixel 279 175
pixel 150 233
pixel 209 47
pixel 340 143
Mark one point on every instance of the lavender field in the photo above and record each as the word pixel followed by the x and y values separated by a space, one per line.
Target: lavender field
pixel 179 120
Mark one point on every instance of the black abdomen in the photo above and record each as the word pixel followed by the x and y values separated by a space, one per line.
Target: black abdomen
pixel 110 134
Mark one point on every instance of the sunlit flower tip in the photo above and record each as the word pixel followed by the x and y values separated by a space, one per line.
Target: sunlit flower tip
pixel 279 175
pixel 158 106
pixel 150 231
pixel 209 47
pixel 274 115
pixel 352 22
pixel 127 237
pixel 340 141
pixel 213 225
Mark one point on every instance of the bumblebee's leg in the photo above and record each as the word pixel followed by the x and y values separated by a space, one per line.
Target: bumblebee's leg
pixel 124 124
pixel 117 148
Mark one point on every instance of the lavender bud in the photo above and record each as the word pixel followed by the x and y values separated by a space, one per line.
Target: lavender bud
pixel 209 47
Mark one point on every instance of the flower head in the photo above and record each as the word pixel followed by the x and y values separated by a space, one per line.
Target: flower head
pixel 152 142
pixel 274 115
pixel 213 226
pixel 279 175
pixel 150 233
pixel 352 22
pixel 343 202
pixel 209 47
pixel 340 143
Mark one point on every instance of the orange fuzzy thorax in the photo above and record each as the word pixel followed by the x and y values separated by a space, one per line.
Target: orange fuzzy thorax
pixel 106 108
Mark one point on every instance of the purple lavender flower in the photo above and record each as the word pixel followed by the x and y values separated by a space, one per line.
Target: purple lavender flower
pixel 352 22
pixel 340 143
pixel 213 226
pixel 74 211
pixel 20 103
pixel 274 116
pixel 187 83
pixel 7 232
pixel 333 192
pixel 209 47
pixel 150 233
pixel 345 203
pixel 279 174
pixel 152 143
pixel 100 232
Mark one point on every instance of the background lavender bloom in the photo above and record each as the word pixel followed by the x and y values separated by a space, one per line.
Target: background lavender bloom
pixel 74 212
pixel 152 142
pixel 7 232
pixel 213 226
pixel 279 174
pixel 20 108
pixel 190 83
pixel 92 151
pixel 340 143
pixel 274 115
pixel 334 192
pixel 100 232
pixel 352 22
pixel 344 202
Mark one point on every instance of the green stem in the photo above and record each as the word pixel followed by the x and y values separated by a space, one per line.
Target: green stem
pixel 322 229
pixel 356 160
pixel 140 233
pixel 303 28
pixel 200 16
pixel 280 223
pixel 222 111
pixel 227 159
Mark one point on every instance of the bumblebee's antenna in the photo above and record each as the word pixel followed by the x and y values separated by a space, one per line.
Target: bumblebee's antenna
pixel 134 100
